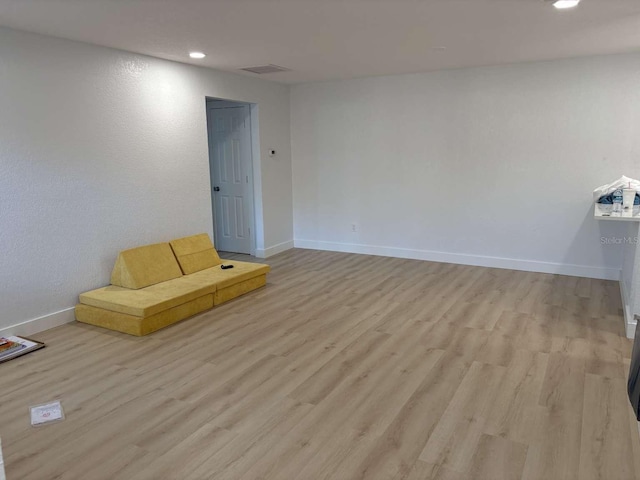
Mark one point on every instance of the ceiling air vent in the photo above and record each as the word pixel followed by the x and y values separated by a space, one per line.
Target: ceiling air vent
pixel 266 69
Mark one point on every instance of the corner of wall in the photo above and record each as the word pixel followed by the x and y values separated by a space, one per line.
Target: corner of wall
pixel 274 250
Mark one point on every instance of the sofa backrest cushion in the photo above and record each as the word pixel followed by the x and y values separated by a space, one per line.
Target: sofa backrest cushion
pixel 143 266
pixel 195 253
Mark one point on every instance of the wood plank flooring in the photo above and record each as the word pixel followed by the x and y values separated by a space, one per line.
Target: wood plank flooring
pixel 343 367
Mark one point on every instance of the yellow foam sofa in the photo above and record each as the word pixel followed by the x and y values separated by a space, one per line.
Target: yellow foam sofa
pixel 157 285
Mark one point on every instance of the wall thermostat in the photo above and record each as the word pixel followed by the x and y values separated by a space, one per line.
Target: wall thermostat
pixel 272 152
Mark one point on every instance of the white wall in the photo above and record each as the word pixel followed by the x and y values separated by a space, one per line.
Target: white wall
pixel 102 150
pixel 489 166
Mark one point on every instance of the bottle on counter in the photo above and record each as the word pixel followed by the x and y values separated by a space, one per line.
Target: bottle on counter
pixel 617 202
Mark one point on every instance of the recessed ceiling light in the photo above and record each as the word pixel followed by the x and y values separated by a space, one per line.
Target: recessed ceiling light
pixel 565 3
pixel 197 55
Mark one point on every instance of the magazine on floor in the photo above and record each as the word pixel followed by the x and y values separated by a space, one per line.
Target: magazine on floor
pixel 14 346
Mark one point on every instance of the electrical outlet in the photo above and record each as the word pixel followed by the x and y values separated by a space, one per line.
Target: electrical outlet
pixel 354 227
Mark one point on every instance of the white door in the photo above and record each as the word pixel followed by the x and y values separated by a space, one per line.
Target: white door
pixel 231 177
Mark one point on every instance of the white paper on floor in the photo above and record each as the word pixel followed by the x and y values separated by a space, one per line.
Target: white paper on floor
pixel 46 413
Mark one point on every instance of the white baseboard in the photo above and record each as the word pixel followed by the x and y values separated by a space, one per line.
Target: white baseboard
pixel 629 320
pixel 275 249
pixel 464 259
pixel 40 324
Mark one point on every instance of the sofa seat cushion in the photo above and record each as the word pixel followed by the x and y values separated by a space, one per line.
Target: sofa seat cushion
pixel 223 295
pixel 133 325
pixel 148 301
pixel 144 266
pixel 195 253
pixel 240 272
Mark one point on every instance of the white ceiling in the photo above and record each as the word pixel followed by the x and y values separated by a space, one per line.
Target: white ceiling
pixel 337 39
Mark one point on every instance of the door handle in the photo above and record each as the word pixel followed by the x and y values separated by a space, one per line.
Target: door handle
pixel 216 189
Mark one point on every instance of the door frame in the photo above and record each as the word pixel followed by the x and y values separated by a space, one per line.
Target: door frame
pixel 220 104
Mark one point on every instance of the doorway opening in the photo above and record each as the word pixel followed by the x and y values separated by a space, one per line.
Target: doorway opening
pixel 231 173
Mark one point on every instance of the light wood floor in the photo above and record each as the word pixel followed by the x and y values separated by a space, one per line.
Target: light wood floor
pixel 343 367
